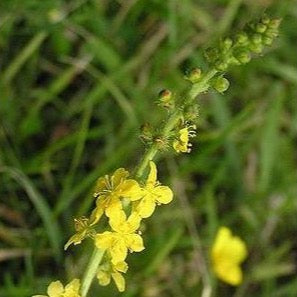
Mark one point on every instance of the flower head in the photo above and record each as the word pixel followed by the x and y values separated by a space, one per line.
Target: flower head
pixel 182 144
pixel 109 271
pixel 83 228
pixel 153 193
pixel 56 289
pixel 109 190
pixel 227 253
pixel 122 238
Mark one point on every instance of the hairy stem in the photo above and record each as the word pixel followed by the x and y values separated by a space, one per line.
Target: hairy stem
pixel 91 271
pixel 193 92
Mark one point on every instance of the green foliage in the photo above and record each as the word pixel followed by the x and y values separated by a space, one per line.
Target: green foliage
pixel 78 78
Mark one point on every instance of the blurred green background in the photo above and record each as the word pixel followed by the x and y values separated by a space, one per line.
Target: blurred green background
pixel 77 80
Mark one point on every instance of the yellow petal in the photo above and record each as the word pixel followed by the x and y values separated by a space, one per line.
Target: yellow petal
pixel 75 239
pixel 146 207
pixel 100 186
pixel 119 281
pixel 72 289
pixel 132 223
pixel 39 296
pixel 119 176
pixel 114 207
pixel 118 251
pixel 103 277
pixel 134 242
pixel 121 267
pixel 228 247
pixel 104 240
pixel 130 189
pixel 184 135
pixel 227 253
pixel 163 193
pixel 96 214
pixel 152 177
pixel 117 220
pixel 55 289
pixel 229 274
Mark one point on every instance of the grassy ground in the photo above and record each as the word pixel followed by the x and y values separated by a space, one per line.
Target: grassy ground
pixel 77 80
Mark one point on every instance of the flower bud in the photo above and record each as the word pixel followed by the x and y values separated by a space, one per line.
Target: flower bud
pixel 257 38
pixel 221 66
pixel 165 99
pixel 267 40
pixel 241 38
pixel 274 24
pixel 227 43
pixel 243 56
pixel 146 132
pixel 265 20
pixel 221 84
pixel 194 75
pixel 260 28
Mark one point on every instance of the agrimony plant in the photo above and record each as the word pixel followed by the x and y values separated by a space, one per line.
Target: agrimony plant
pixel 125 199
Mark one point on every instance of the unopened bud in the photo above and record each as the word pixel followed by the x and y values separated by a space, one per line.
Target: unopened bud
pixel 165 98
pixel 241 38
pixel 194 75
pixel 267 40
pixel 260 28
pixel 274 24
pixel 243 56
pixel 146 132
pixel 256 48
pixel 265 20
pixel 221 84
pixel 221 66
pixel 257 38
pixel 227 43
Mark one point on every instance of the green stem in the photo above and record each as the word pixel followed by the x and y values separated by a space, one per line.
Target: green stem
pixel 91 271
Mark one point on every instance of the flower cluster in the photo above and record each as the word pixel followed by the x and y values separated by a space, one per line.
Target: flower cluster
pixel 56 289
pixel 124 202
pixel 227 253
pixel 238 50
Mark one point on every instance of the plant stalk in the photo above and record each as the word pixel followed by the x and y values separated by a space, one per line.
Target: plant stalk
pixel 91 271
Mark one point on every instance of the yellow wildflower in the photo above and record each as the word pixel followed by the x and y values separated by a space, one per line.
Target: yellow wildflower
pixel 182 145
pixel 83 229
pixel 109 190
pixel 227 253
pixel 110 270
pixel 153 193
pixel 56 289
pixel 122 238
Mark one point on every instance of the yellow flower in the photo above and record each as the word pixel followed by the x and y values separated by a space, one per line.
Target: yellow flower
pixel 110 270
pixel 227 253
pixel 182 145
pixel 109 190
pixel 83 229
pixel 122 238
pixel 153 193
pixel 56 289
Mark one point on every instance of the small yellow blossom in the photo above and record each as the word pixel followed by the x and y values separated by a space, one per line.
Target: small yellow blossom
pixel 109 190
pixel 56 289
pixel 153 193
pixel 122 238
pixel 227 253
pixel 110 270
pixel 83 229
pixel 182 145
